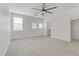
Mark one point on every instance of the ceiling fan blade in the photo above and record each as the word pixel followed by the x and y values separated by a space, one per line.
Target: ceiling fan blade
pixel 43 5
pixel 48 12
pixel 51 8
pixel 35 8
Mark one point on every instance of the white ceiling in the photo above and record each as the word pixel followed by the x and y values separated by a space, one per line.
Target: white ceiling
pixel 25 8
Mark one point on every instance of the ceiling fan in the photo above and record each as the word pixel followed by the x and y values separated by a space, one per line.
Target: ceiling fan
pixel 44 10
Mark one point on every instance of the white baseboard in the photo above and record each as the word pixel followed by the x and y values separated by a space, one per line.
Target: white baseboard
pixel 27 37
pixel 60 39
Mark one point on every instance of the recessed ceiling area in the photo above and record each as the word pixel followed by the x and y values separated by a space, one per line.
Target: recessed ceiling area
pixel 25 8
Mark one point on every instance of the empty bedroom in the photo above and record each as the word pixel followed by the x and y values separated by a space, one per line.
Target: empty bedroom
pixel 39 29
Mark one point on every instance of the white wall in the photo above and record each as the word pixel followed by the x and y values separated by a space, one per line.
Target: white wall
pixel 4 28
pixel 27 26
pixel 73 13
pixel 74 16
pixel 60 26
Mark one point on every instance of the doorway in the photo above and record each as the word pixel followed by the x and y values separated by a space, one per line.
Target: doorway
pixel 48 29
pixel 75 30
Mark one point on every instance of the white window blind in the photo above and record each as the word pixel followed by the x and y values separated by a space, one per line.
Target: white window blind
pixel 40 25
pixel 18 24
pixel 33 25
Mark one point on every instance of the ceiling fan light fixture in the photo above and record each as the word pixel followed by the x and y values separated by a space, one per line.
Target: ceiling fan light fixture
pixel 42 14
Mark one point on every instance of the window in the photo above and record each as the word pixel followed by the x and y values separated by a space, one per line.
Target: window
pixel 33 25
pixel 40 25
pixel 17 24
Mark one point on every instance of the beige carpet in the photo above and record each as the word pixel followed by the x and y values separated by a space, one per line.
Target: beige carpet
pixel 42 46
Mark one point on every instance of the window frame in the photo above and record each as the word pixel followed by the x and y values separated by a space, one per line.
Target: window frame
pixel 34 25
pixel 40 25
pixel 21 23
